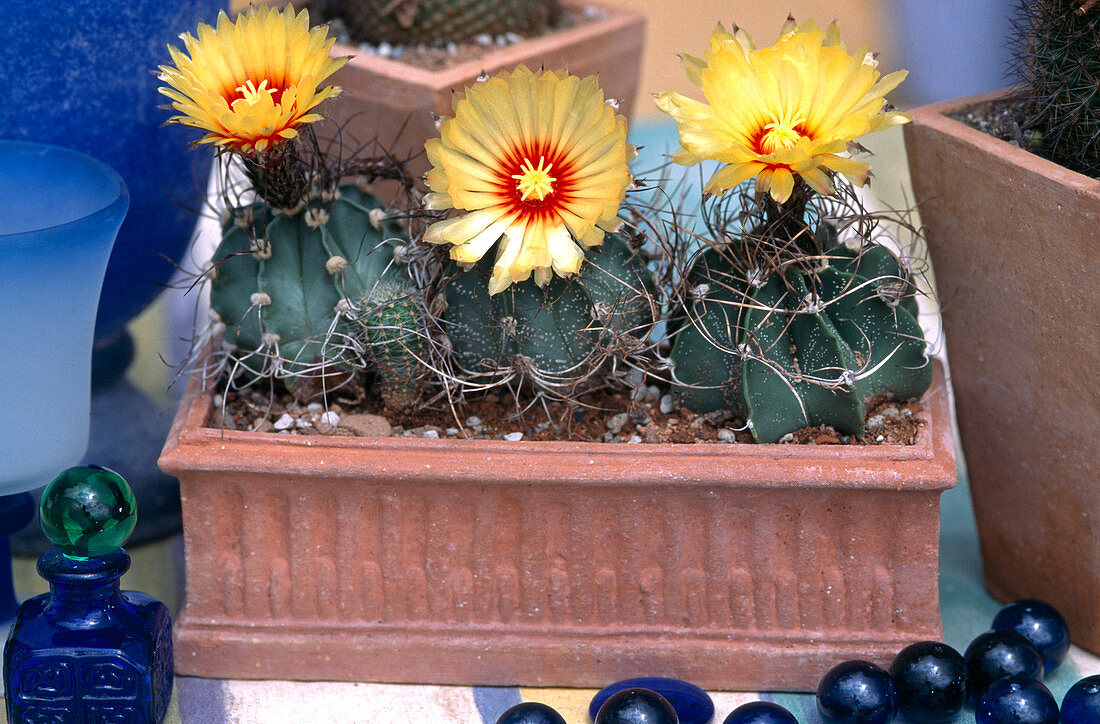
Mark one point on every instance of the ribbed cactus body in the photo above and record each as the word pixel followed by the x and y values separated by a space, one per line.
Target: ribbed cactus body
pixel 393 332
pixel 1058 54
pixel 799 348
pixel 411 22
pixel 557 336
pixel 279 279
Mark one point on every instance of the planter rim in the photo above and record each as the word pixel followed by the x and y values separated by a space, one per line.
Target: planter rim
pixel 458 75
pixel 927 465
pixel 935 116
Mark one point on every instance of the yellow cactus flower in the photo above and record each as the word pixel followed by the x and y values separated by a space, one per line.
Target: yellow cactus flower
pixel 536 159
pixel 784 110
pixel 252 83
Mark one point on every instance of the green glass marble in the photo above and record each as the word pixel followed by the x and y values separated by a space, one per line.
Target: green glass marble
pixel 88 511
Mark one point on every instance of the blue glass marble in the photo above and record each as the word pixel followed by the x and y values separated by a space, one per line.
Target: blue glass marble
pixel 59 213
pixel 692 704
pixel 1041 624
pixel 87 652
pixel 856 692
pixel 1017 700
pixel 760 712
pixel 82 74
pixel 636 706
pixel 1081 704
pixel 531 712
pixel 930 680
pixel 997 655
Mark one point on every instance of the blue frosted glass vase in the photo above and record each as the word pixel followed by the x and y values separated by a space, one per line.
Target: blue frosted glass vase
pixel 59 213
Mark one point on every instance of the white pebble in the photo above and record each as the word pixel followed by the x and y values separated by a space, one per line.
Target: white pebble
pixel 452 432
pixel 654 393
pixel 384 49
pixel 302 423
pixel 431 434
pixel 876 421
pixel 617 421
pixel 640 393
pixel 484 39
pixel 285 422
pixel 473 421
pixel 513 436
pixel 634 440
pixel 666 404
pixel 315 408
pixel 727 435
pixel 637 378
pixel 330 418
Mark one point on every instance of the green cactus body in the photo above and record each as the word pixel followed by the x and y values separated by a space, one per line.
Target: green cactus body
pixel 799 349
pixel 559 336
pixel 282 302
pixel 412 22
pixel 1058 54
pixel 391 321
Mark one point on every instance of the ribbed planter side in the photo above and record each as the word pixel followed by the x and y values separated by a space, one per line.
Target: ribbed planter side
pixel 1014 241
pixel 564 564
pixel 394 102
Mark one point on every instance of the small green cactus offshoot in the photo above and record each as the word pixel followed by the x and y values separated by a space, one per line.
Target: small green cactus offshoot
pixel 788 338
pixel 282 281
pixel 561 338
pixel 392 328
pixel 1057 57
pixel 415 22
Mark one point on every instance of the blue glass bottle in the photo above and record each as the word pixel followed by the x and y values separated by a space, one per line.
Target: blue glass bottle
pixel 88 652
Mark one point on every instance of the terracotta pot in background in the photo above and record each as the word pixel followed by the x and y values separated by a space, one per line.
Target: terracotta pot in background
pixel 742 567
pixel 1014 240
pixel 393 102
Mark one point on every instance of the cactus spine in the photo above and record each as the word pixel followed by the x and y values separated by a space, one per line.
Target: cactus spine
pixel 413 22
pixel 282 281
pixel 562 337
pixel 809 339
pixel 1058 60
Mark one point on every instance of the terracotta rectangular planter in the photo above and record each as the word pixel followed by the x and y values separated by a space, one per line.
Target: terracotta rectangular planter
pixel 1014 240
pixel 566 564
pixel 394 101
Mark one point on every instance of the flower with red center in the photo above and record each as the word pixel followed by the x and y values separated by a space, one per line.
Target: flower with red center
pixel 788 109
pixel 252 83
pixel 537 161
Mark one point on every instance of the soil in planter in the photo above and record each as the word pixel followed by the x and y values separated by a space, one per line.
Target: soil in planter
pixel 643 417
pixel 1000 118
pixel 443 55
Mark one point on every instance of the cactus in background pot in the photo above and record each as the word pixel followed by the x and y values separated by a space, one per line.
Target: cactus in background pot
pixel 781 323
pixel 1057 57
pixel 415 22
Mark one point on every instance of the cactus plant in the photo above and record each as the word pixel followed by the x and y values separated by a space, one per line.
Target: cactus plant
pixel 560 337
pixel 413 22
pixel 1057 56
pixel 796 345
pixel 288 284
pixel 781 323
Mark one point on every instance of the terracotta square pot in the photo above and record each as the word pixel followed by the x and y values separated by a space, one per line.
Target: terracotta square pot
pixel 741 567
pixel 1014 241
pixel 394 101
